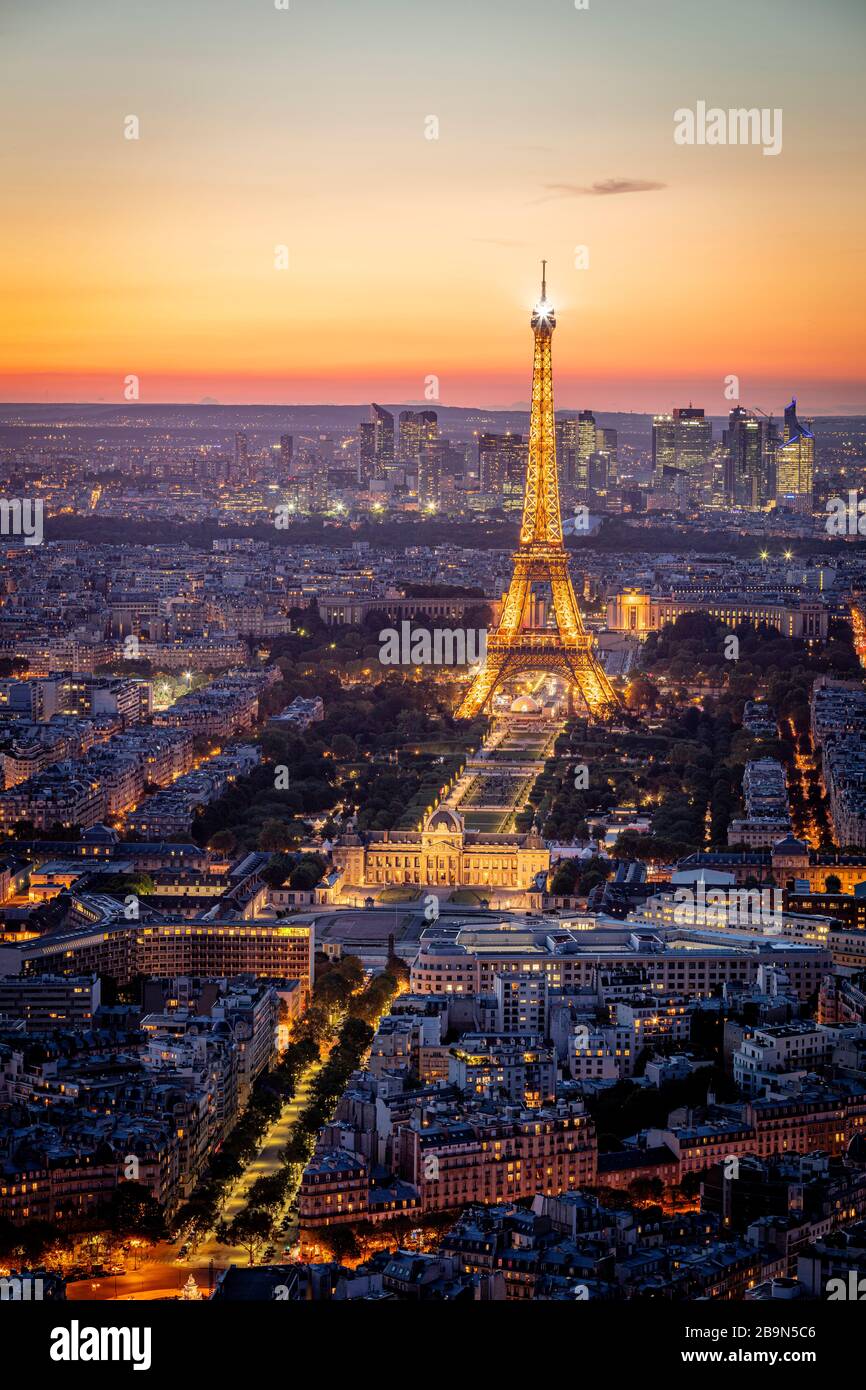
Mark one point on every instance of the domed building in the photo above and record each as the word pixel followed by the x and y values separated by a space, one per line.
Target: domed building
pixel 445 820
pixel 443 854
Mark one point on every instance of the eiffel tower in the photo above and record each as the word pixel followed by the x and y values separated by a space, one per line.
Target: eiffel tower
pixel 515 647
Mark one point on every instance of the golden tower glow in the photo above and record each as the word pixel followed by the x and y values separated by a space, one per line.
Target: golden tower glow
pixel 565 649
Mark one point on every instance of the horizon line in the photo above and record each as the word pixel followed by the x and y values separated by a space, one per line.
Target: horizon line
pixel 522 408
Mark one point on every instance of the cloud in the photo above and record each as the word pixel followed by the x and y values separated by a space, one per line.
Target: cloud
pixel 602 189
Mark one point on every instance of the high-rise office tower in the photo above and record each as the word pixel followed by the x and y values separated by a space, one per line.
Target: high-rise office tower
pixel 376 445
pixel 693 442
pixel 681 448
pixel 366 451
pixel 586 445
pixel 240 468
pixel 566 448
pixel 599 472
pixel 772 440
pixel 744 458
pixel 664 445
pixel 287 449
pixel 795 464
pixel 431 467
pixel 408 442
pixel 501 463
pixel 606 442
pixel 416 428
pixel 318 486
pixel 383 439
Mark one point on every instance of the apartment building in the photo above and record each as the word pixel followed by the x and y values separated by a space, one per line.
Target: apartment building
pixel 775 1050
pixel 46 1003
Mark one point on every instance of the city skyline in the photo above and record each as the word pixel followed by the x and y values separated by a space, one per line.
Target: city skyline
pixel 433 824
pixel 156 256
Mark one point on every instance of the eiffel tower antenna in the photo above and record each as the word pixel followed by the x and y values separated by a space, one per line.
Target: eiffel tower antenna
pixel 515 647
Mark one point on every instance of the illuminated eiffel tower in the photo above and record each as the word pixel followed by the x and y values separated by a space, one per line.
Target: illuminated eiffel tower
pixel 515 647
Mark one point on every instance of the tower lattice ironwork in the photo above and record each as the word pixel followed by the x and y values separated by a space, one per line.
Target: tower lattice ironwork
pixel 515 647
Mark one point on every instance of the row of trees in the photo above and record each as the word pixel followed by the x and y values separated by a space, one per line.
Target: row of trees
pixel 337 992
pixel 271 1091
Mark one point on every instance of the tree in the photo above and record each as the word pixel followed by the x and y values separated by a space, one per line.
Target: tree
pixel 250 1229
pixel 268 1192
pixel 641 694
pixel 690 1185
pixel 26 1244
pixel 340 1240
pixel 646 1189
pixel 307 872
pixel 132 1211
pixel 344 747
pixel 223 842
pixel 275 835
pixel 833 884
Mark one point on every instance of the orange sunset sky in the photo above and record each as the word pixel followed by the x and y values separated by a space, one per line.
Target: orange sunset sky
pixel 409 256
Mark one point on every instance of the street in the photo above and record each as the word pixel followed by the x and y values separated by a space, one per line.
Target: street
pixel 163 1275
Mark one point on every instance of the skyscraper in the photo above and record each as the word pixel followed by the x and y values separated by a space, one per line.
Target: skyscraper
pixel 383 439
pixel 240 467
pixel 366 451
pixel 501 462
pixel 287 448
pixel 772 440
pixel 416 429
pixel 566 448
pixel 586 446
pixel 606 442
pixel 693 442
pixel 681 448
pixel 795 464
pixel 664 445
pixel 599 472
pixel 745 444
pixel 431 462
pixel 376 445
